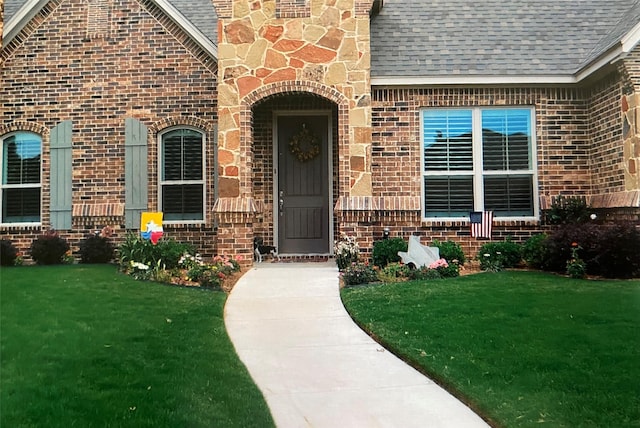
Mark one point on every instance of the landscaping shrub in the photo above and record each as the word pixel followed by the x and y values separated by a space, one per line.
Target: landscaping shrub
pixel 617 252
pixel 386 251
pixel 8 253
pixel 559 244
pixel 358 273
pixel 495 256
pixel 394 272
pixel 568 210
pixel 49 249
pixel 534 251
pixel 450 251
pixel 436 270
pixel 166 253
pixel 96 249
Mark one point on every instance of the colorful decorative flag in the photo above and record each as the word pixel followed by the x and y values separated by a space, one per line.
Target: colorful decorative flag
pixel 151 226
pixel 481 224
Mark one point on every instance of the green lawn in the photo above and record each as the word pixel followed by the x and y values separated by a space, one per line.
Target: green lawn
pixel 85 346
pixel 523 349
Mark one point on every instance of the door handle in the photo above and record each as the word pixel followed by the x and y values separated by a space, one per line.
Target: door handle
pixel 281 202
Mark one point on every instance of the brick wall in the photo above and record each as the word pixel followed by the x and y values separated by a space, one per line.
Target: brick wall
pixel 563 147
pixel 632 65
pixel 605 128
pixel 140 65
pixel 561 129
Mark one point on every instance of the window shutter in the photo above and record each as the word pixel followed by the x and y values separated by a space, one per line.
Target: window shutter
pixel 60 177
pixel 135 171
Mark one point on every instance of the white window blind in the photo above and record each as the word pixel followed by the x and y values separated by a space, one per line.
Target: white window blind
pixel 182 175
pixel 478 159
pixel 21 154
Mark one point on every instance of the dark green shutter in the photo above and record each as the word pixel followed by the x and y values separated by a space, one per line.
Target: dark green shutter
pixel 135 172
pixel 60 177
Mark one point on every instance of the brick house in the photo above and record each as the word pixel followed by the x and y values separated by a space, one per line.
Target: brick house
pixel 294 120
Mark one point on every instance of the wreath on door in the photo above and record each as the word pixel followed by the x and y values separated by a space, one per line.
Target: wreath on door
pixel 304 145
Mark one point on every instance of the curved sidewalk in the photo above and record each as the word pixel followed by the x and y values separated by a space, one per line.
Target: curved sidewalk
pixel 315 367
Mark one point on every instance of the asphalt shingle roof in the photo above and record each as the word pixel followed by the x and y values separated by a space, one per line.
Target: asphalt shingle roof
pixel 495 37
pixel 202 14
pixel 424 38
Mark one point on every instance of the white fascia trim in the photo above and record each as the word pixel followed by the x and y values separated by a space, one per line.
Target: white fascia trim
pixel 472 80
pixel 191 29
pixel 631 39
pixel 607 58
pixel 17 21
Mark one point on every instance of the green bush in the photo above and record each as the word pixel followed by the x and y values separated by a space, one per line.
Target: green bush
pixel 8 253
pixel 49 249
pixel 394 272
pixel 568 210
pixel 534 251
pixel 386 251
pixel 450 251
pixel 96 249
pixel 358 273
pixel 495 256
pixel 166 253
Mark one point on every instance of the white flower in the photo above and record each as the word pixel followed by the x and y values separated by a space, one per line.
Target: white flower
pixel 593 216
pixel 140 266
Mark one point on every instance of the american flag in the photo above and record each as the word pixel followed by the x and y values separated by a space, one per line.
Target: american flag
pixel 481 222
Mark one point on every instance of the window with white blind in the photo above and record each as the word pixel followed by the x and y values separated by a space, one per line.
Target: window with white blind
pixel 478 159
pixel 21 185
pixel 182 175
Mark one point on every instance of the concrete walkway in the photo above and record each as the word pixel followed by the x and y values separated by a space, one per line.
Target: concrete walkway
pixel 315 367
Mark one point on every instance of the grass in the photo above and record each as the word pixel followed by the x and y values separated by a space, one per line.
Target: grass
pixel 85 346
pixel 523 349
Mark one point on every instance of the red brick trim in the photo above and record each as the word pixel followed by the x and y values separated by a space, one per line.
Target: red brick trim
pixel 168 122
pixel 295 86
pixel 24 126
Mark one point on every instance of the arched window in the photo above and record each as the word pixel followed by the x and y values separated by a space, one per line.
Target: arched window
pixel 21 177
pixel 182 170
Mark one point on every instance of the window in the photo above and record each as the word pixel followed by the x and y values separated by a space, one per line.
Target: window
pixel 182 175
pixel 21 153
pixel 478 159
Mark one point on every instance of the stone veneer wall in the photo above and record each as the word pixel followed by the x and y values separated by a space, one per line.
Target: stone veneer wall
pixel 262 53
pixel 269 48
pixel 144 67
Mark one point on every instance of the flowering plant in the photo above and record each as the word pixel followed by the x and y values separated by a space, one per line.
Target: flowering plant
pixel 358 273
pixel 439 263
pixel 346 251
pixel 576 267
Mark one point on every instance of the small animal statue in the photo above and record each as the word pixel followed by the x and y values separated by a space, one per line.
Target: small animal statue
pixel 260 250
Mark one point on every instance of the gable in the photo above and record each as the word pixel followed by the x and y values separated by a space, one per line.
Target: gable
pixel 196 17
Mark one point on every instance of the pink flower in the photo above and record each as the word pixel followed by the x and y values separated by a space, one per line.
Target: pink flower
pixel 438 263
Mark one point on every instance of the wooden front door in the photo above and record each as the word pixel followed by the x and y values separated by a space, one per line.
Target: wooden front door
pixel 302 191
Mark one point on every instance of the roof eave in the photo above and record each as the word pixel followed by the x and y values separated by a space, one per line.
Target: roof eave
pixel 20 19
pixel 462 80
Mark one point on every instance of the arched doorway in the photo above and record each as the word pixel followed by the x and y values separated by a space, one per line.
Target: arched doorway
pixel 294 160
